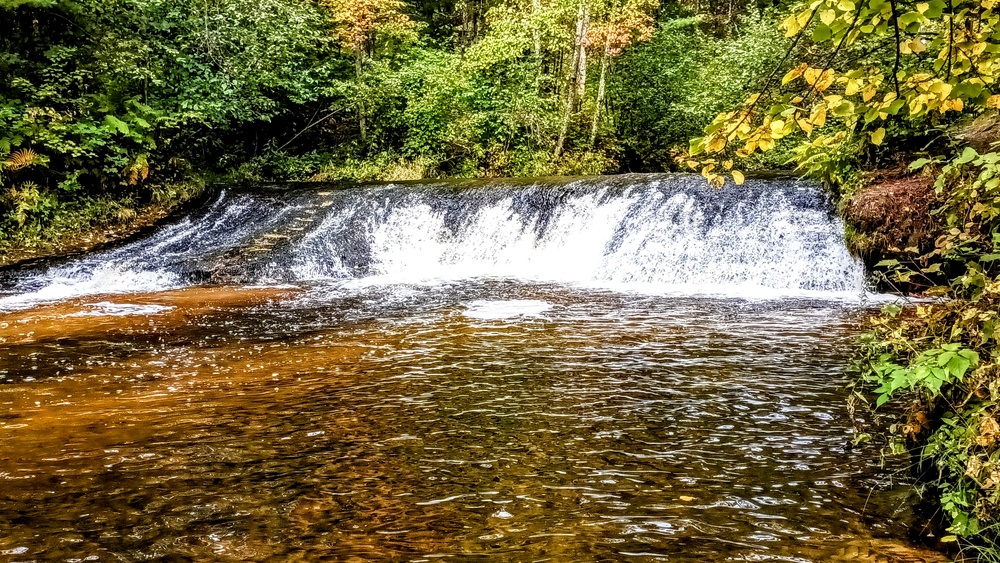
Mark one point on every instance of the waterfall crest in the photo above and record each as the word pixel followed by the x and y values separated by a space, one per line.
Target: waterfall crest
pixel 661 233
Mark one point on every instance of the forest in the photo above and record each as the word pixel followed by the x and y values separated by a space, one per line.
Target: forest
pixel 108 107
pixel 115 111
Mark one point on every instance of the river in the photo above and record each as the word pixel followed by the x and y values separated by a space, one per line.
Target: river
pixel 626 369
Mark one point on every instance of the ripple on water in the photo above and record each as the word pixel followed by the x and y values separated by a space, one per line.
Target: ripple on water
pixel 250 426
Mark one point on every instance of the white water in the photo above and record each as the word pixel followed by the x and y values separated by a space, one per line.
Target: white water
pixel 652 234
pixel 506 309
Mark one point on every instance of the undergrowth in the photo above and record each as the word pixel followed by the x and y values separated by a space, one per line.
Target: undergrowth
pixel 938 362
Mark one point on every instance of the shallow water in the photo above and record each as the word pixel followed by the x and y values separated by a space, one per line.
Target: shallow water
pixel 476 420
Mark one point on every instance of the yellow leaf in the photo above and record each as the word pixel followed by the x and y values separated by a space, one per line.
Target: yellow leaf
pixel 993 101
pixel 852 87
pixel 738 177
pixel 686 498
pixel 922 7
pixel 794 73
pixel 825 80
pixel 716 144
pixel 812 75
pixel 868 92
pixel 827 16
pixel 792 27
pixel 818 115
pixel 805 126
pixel 878 136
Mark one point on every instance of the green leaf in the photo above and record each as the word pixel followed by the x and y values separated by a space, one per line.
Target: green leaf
pixel 968 155
pixel 957 366
pixel 117 124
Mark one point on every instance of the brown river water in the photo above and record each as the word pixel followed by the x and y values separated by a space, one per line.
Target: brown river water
pixel 629 368
pixel 493 421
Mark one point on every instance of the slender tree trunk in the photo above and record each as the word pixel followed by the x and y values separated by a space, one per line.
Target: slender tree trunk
pixel 573 78
pixel 581 45
pixel 536 34
pixel 362 124
pixel 536 42
pixel 600 90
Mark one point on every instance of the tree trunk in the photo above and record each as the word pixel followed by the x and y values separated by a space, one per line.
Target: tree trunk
pixel 362 125
pixel 600 90
pixel 536 42
pixel 581 45
pixel 536 34
pixel 573 78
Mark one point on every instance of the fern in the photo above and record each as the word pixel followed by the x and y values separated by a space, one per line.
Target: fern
pixel 23 200
pixel 21 159
pixel 138 170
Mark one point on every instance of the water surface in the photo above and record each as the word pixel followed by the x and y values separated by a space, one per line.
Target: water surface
pixel 484 420
pixel 597 369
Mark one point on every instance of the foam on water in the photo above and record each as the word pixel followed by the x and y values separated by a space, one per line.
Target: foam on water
pixel 109 309
pixel 654 234
pixel 106 278
pixel 506 309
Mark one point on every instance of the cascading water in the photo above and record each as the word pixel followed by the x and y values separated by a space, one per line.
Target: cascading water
pixel 648 233
pixel 474 370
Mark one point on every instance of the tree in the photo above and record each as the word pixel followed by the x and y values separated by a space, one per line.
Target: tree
pixel 886 61
pixel 622 25
pixel 359 25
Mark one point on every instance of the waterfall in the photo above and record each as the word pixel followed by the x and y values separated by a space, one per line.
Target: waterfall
pixel 658 234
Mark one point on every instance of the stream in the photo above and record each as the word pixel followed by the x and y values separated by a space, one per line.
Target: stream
pixel 630 368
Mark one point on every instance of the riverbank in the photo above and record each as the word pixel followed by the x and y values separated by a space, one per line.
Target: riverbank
pixel 83 225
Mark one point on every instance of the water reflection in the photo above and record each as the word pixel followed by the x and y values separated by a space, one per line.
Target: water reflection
pixel 492 420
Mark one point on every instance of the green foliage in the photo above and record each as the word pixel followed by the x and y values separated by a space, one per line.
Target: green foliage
pixel 667 89
pixel 119 97
pixel 926 373
pixel 942 359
